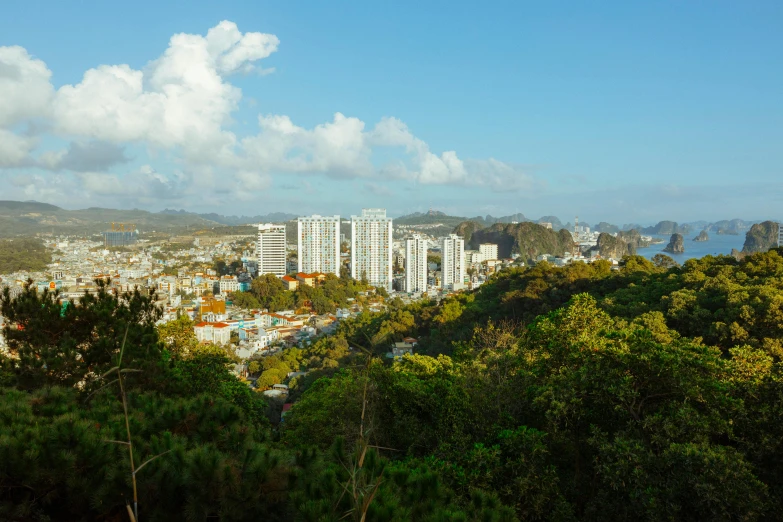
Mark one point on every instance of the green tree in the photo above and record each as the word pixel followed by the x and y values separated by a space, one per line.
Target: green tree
pixel 74 345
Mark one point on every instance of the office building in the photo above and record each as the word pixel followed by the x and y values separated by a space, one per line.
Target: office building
pixel 271 250
pixel 489 251
pixel 452 250
pixel 371 252
pixel 318 244
pixel 415 264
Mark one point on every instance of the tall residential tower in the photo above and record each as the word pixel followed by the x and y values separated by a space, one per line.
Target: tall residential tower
pixel 452 250
pixel 270 249
pixel 371 252
pixel 415 264
pixel 318 242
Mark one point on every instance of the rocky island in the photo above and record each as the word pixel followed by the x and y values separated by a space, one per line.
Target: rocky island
pixel 703 236
pixel 761 237
pixel 609 246
pixel 676 245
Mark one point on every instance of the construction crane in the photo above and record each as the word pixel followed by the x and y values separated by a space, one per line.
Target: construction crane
pixel 122 227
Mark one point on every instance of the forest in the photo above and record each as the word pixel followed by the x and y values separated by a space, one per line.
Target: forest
pixel 23 254
pixel 652 392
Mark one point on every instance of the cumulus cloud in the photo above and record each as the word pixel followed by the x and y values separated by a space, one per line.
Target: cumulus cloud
pixel 24 85
pixel 182 104
pixel 337 148
pixel 85 156
pixel 15 149
pixel 180 100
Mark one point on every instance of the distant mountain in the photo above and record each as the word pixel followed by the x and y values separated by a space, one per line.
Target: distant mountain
pixel 274 217
pixel 25 218
pixel 513 218
pixel 27 206
pixel 609 228
pixel 429 218
pixel 556 223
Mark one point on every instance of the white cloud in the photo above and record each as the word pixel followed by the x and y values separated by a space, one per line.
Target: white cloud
pixel 179 100
pixel 25 90
pixel 15 149
pixel 84 156
pixel 182 104
pixel 337 148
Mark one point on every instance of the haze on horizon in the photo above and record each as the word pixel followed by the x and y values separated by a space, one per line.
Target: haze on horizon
pixel 621 112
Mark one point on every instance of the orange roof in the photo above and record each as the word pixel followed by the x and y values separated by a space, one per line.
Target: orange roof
pixel 288 278
pixel 214 325
pixel 306 276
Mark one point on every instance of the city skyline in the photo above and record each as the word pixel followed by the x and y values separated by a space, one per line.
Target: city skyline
pixel 500 110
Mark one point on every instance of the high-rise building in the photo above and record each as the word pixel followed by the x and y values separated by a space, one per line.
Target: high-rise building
pixel 371 251
pixel 270 249
pixel 452 249
pixel 318 242
pixel 415 264
pixel 489 251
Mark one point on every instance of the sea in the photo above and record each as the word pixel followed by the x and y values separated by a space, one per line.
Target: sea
pixel 716 245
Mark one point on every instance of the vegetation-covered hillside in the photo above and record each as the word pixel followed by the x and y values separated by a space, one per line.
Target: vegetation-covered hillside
pixel 761 237
pixel 23 254
pixel 653 392
pixel 527 239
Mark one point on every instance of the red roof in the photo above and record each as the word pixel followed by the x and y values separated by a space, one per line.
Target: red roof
pixel 288 278
pixel 214 325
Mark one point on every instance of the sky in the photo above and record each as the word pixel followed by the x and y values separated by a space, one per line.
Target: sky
pixel 627 112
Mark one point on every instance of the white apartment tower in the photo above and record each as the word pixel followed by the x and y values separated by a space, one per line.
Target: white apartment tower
pixel 270 249
pixel 371 252
pixel 318 241
pixel 489 251
pixel 415 264
pixel 452 250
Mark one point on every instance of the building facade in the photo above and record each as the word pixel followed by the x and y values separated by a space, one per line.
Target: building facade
pixel 415 264
pixel 452 250
pixel 318 244
pixel 218 333
pixel 271 250
pixel 371 247
pixel 489 251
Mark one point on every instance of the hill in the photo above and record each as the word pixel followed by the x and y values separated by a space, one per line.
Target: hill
pixel 761 237
pixel 529 240
pixel 273 217
pixel 19 218
pixel 23 254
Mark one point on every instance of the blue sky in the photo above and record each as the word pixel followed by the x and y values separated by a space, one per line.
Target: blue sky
pixel 616 111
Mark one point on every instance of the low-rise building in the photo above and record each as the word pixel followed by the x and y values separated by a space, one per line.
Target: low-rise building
pixel 218 333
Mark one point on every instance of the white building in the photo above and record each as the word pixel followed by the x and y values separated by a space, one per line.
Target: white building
pixel 270 250
pixel 318 244
pixel 371 252
pixel 473 257
pixel 415 264
pixel 228 284
pixel 489 251
pixel 452 249
pixel 218 333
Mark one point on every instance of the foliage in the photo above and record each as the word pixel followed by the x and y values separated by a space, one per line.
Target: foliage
pixel 74 345
pixel 652 392
pixel 268 291
pixel 23 254
pixel 58 461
